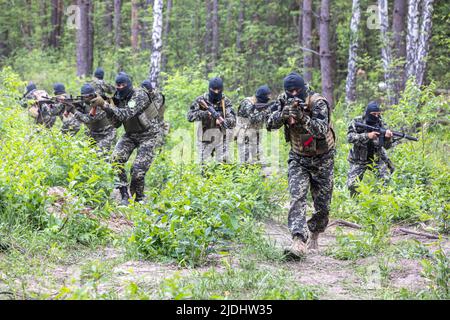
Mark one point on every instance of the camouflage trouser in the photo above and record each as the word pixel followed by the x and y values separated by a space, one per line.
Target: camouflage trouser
pixel 356 173
pixel 316 174
pixel 145 144
pixel 104 139
pixel 70 125
pixel 218 147
pixel 250 146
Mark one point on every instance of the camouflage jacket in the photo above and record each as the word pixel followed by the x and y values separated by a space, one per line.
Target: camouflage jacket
pixel 312 134
pixel 41 112
pixel 360 151
pixel 197 113
pixel 252 115
pixel 102 88
pixel 97 123
pixel 135 112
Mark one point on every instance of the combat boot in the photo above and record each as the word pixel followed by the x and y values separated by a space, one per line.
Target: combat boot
pixel 313 241
pixel 297 250
pixel 125 196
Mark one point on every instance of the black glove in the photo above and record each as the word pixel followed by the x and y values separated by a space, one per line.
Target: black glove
pixel 285 113
pixel 296 113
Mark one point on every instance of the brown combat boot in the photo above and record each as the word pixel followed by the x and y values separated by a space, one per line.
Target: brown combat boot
pixel 313 241
pixel 297 250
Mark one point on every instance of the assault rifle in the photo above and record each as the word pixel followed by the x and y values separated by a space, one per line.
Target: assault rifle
pixel 216 115
pixel 296 103
pixel 264 106
pixel 382 132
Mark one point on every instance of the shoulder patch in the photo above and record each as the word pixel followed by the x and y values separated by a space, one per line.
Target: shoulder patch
pixel 132 104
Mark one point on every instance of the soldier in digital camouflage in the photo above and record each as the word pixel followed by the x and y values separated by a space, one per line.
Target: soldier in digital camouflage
pixel 252 116
pixel 100 85
pixel 100 128
pixel 213 134
pixel 306 118
pixel 139 116
pixel 42 113
pixel 70 124
pixel 366 152
pixel 159 100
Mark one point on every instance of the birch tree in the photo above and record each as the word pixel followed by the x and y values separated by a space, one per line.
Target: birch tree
pixel 350 85
pixel 155 58
pixel 424 40
pixel 412 38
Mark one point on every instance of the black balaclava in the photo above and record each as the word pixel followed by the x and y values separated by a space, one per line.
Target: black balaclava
pixel 30 87
pixel 123 93
pixel 262 94
pixel 147 85
pixel 58 88
pixel 99 73
pixel 372 120
pixel 87 90
pixel 295 81
pixel 215 83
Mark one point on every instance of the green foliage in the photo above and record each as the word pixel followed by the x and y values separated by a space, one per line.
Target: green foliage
pixel 195 214
pixel 245 282
pixel 437 271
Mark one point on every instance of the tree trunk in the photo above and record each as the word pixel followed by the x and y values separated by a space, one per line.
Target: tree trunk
pixel 166 31
pixel 134 25
pixel 56 20
pixel 145 43
pixel 117 23
pixel 83 38
pixel 424 40
pixel 306 39
pixel 386 49
pixel 350 85
pixel 215 33
pixel 240 27
pixel 412 38
pixel 108 18
pixel 299 23
pixel 45 37
pixel 325 55
pixel 90 29
pixel 155 59
pixel 398 28
pixel 208 34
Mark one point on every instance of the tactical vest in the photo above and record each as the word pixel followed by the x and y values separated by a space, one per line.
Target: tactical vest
pixel 96 125
pixel 142 122
pixel 305 144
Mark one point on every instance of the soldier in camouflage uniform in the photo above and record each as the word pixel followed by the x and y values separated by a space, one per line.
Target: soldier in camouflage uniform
pixel 159 100
pixel 367 153
pixel 102 88
pixel 139 116
pixel 41 112
pixel 306 117
pixel 100 128
pixel 212 135
pixel 69 123
pixel 252 116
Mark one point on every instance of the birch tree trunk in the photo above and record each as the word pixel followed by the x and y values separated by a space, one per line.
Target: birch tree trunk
pixel 83 38
pixel 424 40
pixel 385 49
pixel 215 33
pixel 134 25
pixel 117 23
pixel 325 55
pixel 350 85
pixel 412 38
pixel 306 38
pixel 155 58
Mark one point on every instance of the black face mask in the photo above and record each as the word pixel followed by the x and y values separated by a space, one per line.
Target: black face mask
pixel 215 97
pixel 262 99
pixel 301 95
pixel 372 120
pixel 124 92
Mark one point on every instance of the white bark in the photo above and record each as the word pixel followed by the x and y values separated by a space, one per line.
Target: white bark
pixel 385 47
pixel 424 40
pixel 412 37
pixel 350 85
pixel 155 59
